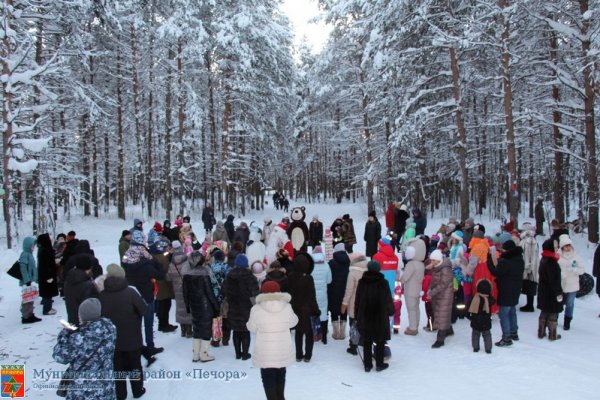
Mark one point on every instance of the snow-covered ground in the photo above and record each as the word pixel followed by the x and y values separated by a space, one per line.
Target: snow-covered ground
pixel 528 369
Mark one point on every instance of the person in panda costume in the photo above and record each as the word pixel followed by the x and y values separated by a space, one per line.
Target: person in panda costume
pixel 298 230
pixel 278 239
pixel 255 249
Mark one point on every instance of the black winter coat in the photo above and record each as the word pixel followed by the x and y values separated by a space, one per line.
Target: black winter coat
pixel 304 298
pixel 315 234
pixel 340 267
pixel 201 301
pixel 509 276
pixel 68 251
pixel 373 307
pixel 140 275
pixel 372 236
pixel 549 286
pixel 83 256
pixel 239 287
pixel 596 269
pixel 124 306
pixel 46 267
pixel 241 235
pixel 280 277
pixel 482 321
pixel 79 286
pixel 420 222
pixel 400 218
pixel 229 227
pixel 208 218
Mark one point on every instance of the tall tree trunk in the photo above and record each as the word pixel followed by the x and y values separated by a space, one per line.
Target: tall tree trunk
pixel 558 181
pixel 120 149
pixel 7 107
pixel 149 144
pixel 508 116
pixel 590 129
pixel 368 150
pixel 462 137
pixel 137 175
pixel 180 122
pixel 168 127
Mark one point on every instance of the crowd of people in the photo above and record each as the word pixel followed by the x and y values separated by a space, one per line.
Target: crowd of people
pixel 252 278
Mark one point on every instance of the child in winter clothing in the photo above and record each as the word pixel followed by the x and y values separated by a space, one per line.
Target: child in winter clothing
pixel 271 318
pixel 29 275
pixel 428 307
pixel 259 272
pixel 479 314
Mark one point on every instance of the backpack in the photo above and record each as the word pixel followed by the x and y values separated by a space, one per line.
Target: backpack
pixel 15 271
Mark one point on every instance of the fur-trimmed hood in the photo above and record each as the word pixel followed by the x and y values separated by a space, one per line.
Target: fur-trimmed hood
pixel 273 302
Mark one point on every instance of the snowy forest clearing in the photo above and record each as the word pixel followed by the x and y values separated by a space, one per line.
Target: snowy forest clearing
pixel 531 368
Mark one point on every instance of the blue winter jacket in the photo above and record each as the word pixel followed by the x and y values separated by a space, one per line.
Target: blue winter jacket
pixel 29 270
pixel 322 277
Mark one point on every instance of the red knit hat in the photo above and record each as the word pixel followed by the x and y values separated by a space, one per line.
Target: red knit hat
pixel 270 287
pixel 158 227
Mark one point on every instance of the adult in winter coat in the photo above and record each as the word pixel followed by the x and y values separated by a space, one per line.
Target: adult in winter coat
pixel 125 308
pixel 550 293
pixel 141 271
pixel 596 269
pixel 70 244
pixel 539 217
pixel 373 307
pixel 388 260
pixel 220 269
pixel 468 231
pixel 315 232
pixel 208 218
pixel 201 302
pixel 83 254
pixel 240 287
pixel 229 227
pixel 420 221
pixel 390 217
pixel 358 266
pixel 154 233
pixel 400 219
pixel 571 266
pixel 79 286
pixel 271 318
pixel 165 293
pixel 89 352
pixel 221 234
pixel 412 279
pixel 304 303
pixel 441 293
pixel 477 267
pixel 177 267
pixel 124 243
pixel 277 273
pixel 508 271
pixel 340 267
pixel 336 228
pixel 47 273
pixel 372 234
pixel 266 230
pixel 322 277
pixel 531 255
pixel 29 275
pixel 347 233
pixel 242 234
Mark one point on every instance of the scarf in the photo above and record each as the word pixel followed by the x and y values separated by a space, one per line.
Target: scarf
pixel 550 254
pixel 474 307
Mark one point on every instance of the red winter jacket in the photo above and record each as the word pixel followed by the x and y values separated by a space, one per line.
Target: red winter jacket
pixel 389 217
pixel 426 282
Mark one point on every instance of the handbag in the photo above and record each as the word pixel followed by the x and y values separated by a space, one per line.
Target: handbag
pixel 316 328
pixel 354 333
pixel 217 332
pixel 529 287
pixel 15 271
pixel 69 375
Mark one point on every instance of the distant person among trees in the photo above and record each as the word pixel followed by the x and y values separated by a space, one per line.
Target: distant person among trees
pixel 539 217
pixel 208 218
pixel 315 232
pixel 420 221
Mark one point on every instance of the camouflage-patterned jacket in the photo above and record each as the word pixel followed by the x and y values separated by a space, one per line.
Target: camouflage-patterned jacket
pixel 89 351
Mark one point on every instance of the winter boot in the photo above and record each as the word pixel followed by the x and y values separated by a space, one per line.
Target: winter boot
pixel 324 331
pixel 342 330
pixel 246 346
pixel 237 345
pixel 196 349
pixel 215 343
pixel 529 306
pixel 204 356
pixel 567 323
pixel 272 393
pixel 190 332
pixel 542 328
pixel 352 349
pixel 183 330
pixel 552 326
